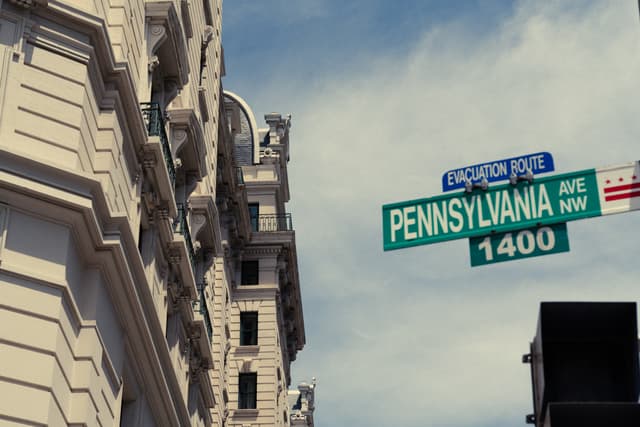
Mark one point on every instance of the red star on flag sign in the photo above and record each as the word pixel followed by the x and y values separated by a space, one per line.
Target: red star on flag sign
pixel 623 191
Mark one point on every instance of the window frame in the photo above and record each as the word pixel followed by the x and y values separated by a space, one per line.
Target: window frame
pixel 249 328
pixel 247 390
pixel 250 269
pixel 254 214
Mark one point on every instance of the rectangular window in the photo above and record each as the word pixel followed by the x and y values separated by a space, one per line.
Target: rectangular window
pixel 247 386
pixel 249 328
pixel 249 272
pixel 254 209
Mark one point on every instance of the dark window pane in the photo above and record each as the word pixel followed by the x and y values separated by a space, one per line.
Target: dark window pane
pixel 254 209
pixel 247 386
pixel 249 328
pixel 249 273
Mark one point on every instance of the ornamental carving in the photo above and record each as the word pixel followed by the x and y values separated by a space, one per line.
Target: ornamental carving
pixel 178 140
pixel 157 35
pixel 174 257
pixel 153 63
pixel 163 214
pixel 149 161
pixel 28 4
pixel 197 222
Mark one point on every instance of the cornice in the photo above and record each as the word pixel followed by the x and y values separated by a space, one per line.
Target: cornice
pixel 262 251
pixel 257 292
pixel 112 81
pixel 285 239
pixel 246 350
pixel 245 413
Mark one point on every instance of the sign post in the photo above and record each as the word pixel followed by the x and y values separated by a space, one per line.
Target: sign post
pixel 546 200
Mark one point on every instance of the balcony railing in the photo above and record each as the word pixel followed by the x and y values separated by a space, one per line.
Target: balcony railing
pixel 154 120
pixel 201 306
pixel 181 226
pixel 271 223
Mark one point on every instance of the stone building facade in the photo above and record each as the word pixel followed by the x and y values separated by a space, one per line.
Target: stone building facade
pixel 148 270
pixel 302 403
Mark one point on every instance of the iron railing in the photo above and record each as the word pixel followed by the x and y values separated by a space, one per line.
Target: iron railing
pixel 270 223
pixel 154 120
pixel 181 226
pixel 204 311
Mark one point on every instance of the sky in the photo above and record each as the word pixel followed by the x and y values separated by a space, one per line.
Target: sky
pixel 387 96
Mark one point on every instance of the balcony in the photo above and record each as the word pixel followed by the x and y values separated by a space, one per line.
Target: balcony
pixel 269 223
pixel 182 227
pixel 188 142
pixel 200 361
pixel 200 305
pixel 154 120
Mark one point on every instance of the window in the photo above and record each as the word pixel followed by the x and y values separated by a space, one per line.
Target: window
pixel 254 208
pixel 247 385
pixel 249 273
pixel 249 328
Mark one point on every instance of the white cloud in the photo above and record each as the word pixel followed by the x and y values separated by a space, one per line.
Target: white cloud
pixel 416 337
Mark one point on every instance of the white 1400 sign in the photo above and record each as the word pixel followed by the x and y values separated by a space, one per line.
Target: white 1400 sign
pixel 525 243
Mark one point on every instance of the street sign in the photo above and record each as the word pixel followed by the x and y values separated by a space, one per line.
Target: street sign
pixel 499 170
pixel 530 242
pixel 503 208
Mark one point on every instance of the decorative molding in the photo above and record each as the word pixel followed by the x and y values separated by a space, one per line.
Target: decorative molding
pixel 44 35
pixel 206 224
pixel 80 203
pixel 202 101
pixel 179 137
pixel 197 221
pixel 163 214
pixel 157 36
pixel 28 4
pixel 261 251
pixel 186 126
pixel 174 256
pixel 244 292
pixel 245 413
pixel 246 365
pixel 149 160
pixel 153 63
pixel 247 350
pixel 163 14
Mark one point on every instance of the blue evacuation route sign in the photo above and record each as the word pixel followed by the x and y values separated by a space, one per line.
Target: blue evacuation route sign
pixel 499 170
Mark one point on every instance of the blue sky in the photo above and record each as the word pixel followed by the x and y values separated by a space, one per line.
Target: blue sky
pixel 280 41
pixel 386 97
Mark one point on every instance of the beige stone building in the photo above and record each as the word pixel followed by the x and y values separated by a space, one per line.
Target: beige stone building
pixel 148 267
pixel 302 404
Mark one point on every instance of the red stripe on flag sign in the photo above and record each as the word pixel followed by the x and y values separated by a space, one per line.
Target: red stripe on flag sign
pixel 622 187
pixel 621 196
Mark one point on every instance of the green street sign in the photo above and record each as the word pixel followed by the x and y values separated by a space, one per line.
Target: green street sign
pixel 546 200
pixel 530 242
